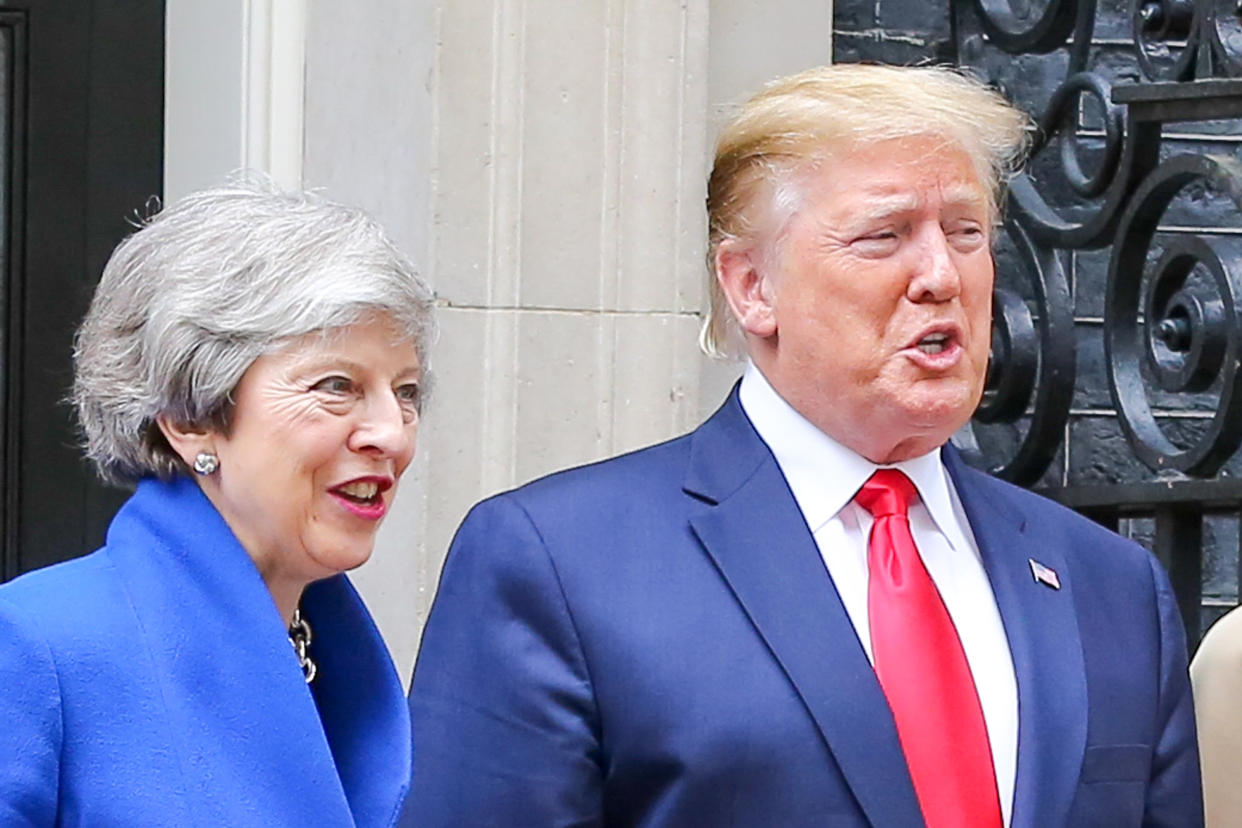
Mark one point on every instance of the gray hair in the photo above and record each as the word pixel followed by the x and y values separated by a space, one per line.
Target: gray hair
pixel 203 289
pixel 797 121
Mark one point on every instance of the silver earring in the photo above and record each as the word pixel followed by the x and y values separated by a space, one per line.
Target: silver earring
pixel 205 463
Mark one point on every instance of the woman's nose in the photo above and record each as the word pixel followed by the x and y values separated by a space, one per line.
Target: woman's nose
pixel 385 428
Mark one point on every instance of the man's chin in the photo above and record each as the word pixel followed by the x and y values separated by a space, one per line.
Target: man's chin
pixel 937 419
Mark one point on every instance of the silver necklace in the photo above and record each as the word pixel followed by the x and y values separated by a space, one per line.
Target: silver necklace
pixel 300 638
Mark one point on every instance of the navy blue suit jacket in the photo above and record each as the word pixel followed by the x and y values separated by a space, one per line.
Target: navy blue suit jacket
pixel 152 684
pixel 654 641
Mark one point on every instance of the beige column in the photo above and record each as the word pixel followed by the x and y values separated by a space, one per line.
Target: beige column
pixel 544 162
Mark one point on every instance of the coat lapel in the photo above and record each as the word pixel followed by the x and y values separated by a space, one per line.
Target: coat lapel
pixel 1042 628
pixel 360 701
pixel 235 697
pixel 753 531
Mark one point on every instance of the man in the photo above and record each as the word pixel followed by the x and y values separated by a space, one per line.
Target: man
pixel 809 612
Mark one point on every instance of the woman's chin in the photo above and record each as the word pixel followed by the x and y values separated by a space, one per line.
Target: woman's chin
pixel 344 555
pixel 354 558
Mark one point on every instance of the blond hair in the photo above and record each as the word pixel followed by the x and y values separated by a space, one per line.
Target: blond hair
pixel 796 121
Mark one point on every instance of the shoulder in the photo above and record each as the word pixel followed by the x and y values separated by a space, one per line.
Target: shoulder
pixel 62 587
pixel 574 520
pixel 48 619
pixel 76 608
pixel 31 707
pixel 1221 649
pixel 1108 573
pixel 649 474
pixel 1046 519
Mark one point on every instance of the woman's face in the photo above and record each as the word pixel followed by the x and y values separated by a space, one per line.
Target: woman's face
pixel 322 430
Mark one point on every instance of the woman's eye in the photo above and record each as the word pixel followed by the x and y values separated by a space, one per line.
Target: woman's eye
pixel 334 385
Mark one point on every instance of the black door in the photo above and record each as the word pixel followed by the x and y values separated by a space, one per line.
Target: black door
pixel 81 154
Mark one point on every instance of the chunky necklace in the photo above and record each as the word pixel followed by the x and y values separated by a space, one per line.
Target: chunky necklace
pixel 300 638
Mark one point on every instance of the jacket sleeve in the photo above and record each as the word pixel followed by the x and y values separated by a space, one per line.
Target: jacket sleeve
pixel 1174 797
pixel 505 724
pixel 30 736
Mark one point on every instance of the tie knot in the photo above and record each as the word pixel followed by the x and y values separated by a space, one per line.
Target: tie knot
pixel 887 492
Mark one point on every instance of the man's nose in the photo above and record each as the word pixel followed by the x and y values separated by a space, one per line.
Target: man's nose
pixel 383 430
pixel 935 277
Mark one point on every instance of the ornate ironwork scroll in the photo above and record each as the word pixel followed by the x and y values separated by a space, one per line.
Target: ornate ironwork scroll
pixel 1112 108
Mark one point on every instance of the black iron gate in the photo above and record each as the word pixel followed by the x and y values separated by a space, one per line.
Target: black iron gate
pixel 1116 380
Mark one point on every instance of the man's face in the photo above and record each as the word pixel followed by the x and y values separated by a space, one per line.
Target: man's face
pixel 880 295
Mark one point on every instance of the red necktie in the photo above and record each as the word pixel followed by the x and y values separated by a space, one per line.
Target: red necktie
pixel 922 669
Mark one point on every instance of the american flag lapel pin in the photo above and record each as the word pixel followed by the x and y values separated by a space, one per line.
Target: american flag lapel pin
pixel 1044 575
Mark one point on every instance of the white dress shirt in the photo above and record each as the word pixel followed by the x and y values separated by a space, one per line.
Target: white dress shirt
pixel 824 476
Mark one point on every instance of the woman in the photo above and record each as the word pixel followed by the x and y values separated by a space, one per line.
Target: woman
pixel 253 361
pixel 1216 676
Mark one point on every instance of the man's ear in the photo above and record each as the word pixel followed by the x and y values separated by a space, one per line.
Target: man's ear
pixel 745 282
pixel 186 440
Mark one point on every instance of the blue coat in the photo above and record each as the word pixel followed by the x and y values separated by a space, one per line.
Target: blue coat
pixel 152 683
pixel 654 641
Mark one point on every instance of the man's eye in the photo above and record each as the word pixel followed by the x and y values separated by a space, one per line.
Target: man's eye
pixel 881 243
pixel 334 385
pixel 971 234
pixel 410 393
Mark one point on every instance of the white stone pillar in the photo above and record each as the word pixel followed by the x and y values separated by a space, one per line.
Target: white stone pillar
pixel 233 91
pixel 562 230
pixel 544 162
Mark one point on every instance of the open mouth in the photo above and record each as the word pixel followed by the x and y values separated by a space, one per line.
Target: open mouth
pixel 361 492
pixel 933 343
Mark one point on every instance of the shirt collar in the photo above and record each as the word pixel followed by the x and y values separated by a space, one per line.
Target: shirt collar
pixel 824 475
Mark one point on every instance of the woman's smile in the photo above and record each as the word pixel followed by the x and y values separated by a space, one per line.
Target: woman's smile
pixel 364 496
pixel 322 430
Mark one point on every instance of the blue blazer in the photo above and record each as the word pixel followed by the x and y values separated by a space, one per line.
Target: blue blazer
pixel 152 684
pixel 654 641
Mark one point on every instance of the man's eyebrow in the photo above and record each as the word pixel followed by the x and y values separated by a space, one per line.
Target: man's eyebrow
pixel 881 207
pixel 963 195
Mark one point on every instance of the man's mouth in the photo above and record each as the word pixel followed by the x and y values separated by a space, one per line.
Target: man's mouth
pixel 933 343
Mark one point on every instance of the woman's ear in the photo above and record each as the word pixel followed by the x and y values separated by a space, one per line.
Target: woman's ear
pixel 747 286
pixel 187 441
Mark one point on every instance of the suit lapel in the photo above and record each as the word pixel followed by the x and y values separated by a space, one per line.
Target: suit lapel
pixel 1042 629
pixel 757 538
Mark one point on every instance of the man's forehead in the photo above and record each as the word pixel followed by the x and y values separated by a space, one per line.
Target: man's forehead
pixel 886 199
pixel 898 173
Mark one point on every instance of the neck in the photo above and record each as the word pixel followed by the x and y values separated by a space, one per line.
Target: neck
pixel 286 595
pixel 286 590
pixel 876 439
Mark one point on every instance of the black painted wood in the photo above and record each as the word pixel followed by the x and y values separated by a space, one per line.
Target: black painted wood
pixel 84 100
